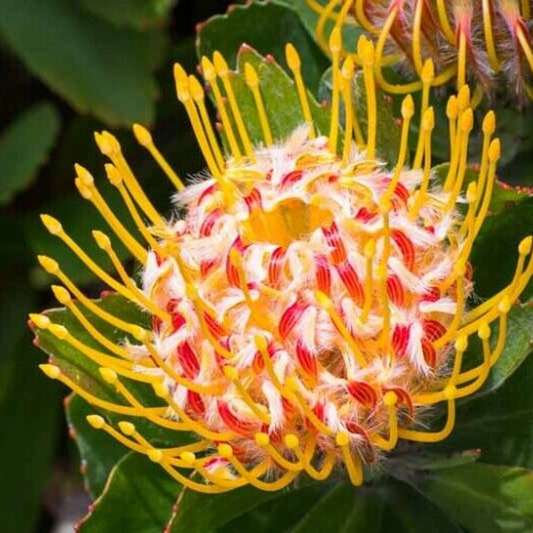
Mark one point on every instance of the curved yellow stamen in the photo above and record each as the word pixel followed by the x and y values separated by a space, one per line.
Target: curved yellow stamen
pixel 353 464
pixel 88 190
pixel 52 267
pixel 115 178
pixel 144 138
pixel 489 36
pixel 445 23
pixel 110 147
pixel 326 304
pixel 209 73
pixel 198 95
pixel 366 53
pixel 252 80
pixel 223 72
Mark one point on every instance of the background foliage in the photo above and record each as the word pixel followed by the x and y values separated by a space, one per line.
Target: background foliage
pixel 68 68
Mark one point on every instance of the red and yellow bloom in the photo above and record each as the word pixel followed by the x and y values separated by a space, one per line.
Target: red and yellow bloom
pixel 310 304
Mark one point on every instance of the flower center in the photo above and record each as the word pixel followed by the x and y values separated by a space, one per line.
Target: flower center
pixel 288 221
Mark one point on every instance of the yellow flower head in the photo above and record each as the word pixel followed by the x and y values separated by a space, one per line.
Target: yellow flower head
pixel 310 304
pixel 467 40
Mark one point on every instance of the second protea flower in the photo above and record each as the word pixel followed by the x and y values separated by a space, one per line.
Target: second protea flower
pixel 311 303
pixel 479 41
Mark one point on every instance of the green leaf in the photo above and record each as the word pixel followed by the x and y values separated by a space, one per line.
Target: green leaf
pixel 24 147
pixel 138 498
pixel 96 67
pixel 29 415
pixel 139 14
pixel 281 513
pixel 99 451
pixel 85 372
pixel 518 347
pixel 499 424
pixel 267 27
pixel 312 507
pixel 201 513
pixel 497 245
pixel 390 506
pixel 483 498
pixel 280 99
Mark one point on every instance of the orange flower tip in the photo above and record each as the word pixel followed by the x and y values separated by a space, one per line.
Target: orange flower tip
pixel 505 305
pixel 155 455
pixel 262 439
pixel 250 74
pixel 428 72
pixel 335 41
pixel 484 331
pixel 221 66
pixel 461 344
pixel 382 272
pixel 347 69
pixel 450 392
pixel 41 321
pixel 102 240
pixel 231 373
pixel 390 399
pixel 323 300
pixel 61 294
pixel 103 144
pixel 495 150
pixel 196 89
pixel 139 333
pixel 385 206
pixel 261 343
pixel 408 107
pixel 428 122
pixel 365 50
pixel 291 441
pixel 467 120
pixel 225 450
pixel 208 69
pixel 292 56
pixel 188 458
pixel 471 192
pixel 143 136
pixel 342 439
pixel 52 224
pixel 460 269
pixel 182 84
pixel 524 248
pixel 463 97
pixel 59 331
pixel 292 383
pixel 96 421
pixel 160 390
pixel 113 174
pixel 51 266
pixel 84 175
pixel 370 249
pixel 452 108
pixel 127 428
pixel 108 375
pixel 52 371
pixel 489 123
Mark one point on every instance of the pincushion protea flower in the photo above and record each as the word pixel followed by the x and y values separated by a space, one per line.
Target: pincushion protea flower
pixel 478 40
pixel 310 305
